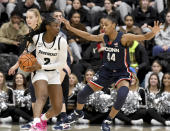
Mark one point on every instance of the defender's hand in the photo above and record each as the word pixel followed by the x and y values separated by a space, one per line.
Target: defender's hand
pixel 156 28
pixel 67 23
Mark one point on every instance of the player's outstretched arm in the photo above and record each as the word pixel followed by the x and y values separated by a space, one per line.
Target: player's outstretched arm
pixel 82 34
pixel 131 37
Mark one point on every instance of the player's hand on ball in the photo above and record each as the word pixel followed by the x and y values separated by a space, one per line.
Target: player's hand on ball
pixel 34 67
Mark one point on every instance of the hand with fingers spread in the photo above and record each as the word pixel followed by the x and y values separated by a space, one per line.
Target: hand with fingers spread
pixel 156 28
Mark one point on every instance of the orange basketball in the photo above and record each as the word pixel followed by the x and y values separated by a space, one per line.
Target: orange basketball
pixel 26 60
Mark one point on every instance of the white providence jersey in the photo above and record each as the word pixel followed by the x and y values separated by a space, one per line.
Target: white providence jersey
pixel 50 55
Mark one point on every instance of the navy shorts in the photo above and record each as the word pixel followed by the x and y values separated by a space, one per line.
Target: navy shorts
pixel 105 77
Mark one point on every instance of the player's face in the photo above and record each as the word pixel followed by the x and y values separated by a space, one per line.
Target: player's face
pixel 1 78
pixel 168 18
pixel 31 19
pixel 76 4
pixel 166 80
pixel 19 80
pixel 156 67
pixel 76 18
pixel 89 75
pixel 153 80
pixel 129 21
pixel 108 26
pixel 54 28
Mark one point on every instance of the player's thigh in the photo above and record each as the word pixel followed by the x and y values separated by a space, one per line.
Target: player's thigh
pixel 41 88
pixel 55 93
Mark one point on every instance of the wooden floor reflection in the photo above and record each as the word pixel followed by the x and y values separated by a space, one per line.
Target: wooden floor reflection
pixel 8 127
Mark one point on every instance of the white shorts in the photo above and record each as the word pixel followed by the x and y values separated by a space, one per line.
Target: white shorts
pixel 52 77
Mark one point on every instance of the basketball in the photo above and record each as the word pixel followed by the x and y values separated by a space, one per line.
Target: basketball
pixel 26 60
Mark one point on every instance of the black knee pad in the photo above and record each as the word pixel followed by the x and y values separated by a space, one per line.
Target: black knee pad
pixel 83 94
pixel 121 97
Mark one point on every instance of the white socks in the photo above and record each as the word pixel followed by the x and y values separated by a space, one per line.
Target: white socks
pixel 36 120
pixel 44 118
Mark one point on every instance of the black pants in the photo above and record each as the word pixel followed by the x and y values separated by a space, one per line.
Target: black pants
pixel 153 114
pixel 139 114
pixel 16 113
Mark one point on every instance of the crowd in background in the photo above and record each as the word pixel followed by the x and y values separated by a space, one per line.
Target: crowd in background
pixel 149 96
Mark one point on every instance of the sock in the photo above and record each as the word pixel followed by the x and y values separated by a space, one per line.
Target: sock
pixel 78 111
pixel 109 118
pixel 44 118
pixel 36 120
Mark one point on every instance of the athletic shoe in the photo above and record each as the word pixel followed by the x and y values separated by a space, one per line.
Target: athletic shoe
pixel 26 126
pixel 44 124
pixel 61 126
pixel 37 127
pixel 73 117
pixel 106 125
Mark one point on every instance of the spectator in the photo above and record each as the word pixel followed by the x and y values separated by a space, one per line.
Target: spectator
pixel 75 42
pixel 139 59
pixel 22 98
pixel 152 94
pixel 77 7
pixel 72 99
pixel 24 6
pixel 10 33
pixel 129 26
pixel 124 7
pixel 163 100
pixel 162 14
pixel 144 15
pixel 21 5
pixel 6 108
pixel 107 11
pixel 162 39
pixel 47 6
pixel 159 5
pixel 156 68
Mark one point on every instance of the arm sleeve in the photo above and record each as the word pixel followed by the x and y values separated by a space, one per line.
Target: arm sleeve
pixel 62 58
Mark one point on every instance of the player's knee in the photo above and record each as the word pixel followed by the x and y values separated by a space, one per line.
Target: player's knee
pixel 83 94
pixel 121 97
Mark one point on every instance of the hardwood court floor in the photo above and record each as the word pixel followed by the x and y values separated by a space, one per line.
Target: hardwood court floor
pixel 8 127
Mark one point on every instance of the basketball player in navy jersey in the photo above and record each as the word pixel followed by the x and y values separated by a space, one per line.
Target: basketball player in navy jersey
pixel 115 68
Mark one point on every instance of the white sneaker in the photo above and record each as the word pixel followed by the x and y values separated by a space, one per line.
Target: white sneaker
pixel 155 122
pixel 137 122
pixel 167 123
pixel 117 121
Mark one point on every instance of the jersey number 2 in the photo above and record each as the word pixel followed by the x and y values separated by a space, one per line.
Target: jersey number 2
pixel 111 57
pixel 47 61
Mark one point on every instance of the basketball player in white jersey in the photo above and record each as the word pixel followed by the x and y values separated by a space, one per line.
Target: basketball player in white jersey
pixel 51 54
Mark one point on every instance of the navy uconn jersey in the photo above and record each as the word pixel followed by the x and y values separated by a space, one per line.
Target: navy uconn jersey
pixel 116 56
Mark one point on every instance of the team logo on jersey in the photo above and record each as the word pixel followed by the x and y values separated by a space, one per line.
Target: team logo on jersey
pixel 116 44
